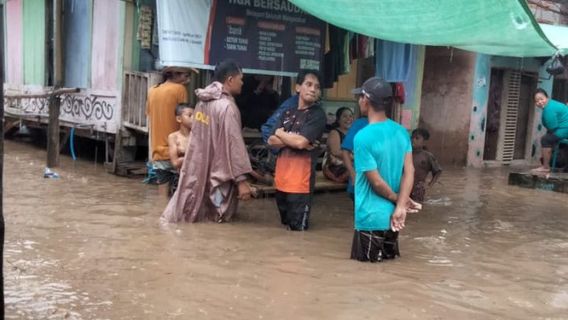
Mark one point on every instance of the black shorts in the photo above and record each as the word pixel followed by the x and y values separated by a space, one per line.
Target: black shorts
pixel 294 209
pixel 173 184
pixel 549 140
pixel 165 176
pixel 374 246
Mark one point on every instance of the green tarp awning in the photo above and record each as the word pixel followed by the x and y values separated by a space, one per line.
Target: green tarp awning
pixel 497 27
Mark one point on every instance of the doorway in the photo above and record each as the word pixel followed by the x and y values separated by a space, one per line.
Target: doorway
pixel 525 116
pixel 510 112
pixel 493 114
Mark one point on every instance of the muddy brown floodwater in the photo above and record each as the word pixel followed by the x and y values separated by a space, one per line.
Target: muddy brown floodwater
pixel 89 246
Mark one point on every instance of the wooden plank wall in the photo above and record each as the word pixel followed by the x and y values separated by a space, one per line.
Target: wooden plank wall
pixel 14 54
pixel 77 43
pixel 34 42
pixel 104 64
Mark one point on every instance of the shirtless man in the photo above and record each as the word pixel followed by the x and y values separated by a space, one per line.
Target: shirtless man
pixel 178 141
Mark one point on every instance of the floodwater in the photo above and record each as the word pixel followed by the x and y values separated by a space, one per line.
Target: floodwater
pixel 89 246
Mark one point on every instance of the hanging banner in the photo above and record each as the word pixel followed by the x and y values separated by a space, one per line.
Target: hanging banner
pixel 269 37
pixel 182 29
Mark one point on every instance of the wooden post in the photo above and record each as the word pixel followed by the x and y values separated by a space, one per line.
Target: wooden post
pixel 1 161
pixel 55 99
pixel 53 131
pixel 58 66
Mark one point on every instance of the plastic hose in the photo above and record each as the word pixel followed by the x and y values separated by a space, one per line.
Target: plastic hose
pixel 72 144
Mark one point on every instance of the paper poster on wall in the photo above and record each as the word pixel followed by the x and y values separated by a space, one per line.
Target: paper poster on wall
pixel 182 28
pixel 271 37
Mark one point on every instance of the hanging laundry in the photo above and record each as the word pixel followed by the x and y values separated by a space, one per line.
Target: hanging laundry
pixel 370 47
pixel 399 93
pixel 362 42
pixel 327 41
pixel 346 53
pixel 412 82
pixel 334 59
pixel 365 46
pixel 395 60
pixel 354 48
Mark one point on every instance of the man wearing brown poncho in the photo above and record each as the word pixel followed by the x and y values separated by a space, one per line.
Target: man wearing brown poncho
pixel 216 164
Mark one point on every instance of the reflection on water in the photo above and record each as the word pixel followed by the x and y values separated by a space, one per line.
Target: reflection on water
pixel 28 294
pixel 90 246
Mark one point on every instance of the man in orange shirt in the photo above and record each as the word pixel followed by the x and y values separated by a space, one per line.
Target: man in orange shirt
pixel 297 131
pixel 160 109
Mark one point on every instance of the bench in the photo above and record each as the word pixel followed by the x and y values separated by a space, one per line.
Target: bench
pixel 322 185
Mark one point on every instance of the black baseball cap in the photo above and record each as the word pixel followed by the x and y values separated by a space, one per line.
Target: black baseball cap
pixel 375 89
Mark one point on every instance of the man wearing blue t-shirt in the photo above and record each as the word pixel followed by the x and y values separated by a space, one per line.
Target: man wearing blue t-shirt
pixel 384 177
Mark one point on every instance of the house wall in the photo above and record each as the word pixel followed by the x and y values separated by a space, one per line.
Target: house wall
pixel 478 105
pixel 480 90
pixel 550 12
pixel 106 29
pixel 77 42
pixel 96 68
pixel 129 36
pixel 14 55
pixel 34 44
pixel 445 103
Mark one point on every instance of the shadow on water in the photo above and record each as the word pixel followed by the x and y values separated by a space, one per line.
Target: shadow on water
pixel 89 246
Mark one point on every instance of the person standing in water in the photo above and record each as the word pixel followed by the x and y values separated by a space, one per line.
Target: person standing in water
pixel 384 177
pixel 296 132
pixel 160 109
pixel 216 165
pixel 424 163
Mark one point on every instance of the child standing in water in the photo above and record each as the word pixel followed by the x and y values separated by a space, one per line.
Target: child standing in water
pixel 178 141
pixel 424 163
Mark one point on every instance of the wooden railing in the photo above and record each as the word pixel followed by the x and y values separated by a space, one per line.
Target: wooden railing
pixel 53 105
pixel 134 93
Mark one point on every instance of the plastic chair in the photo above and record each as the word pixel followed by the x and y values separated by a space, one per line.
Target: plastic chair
pixel 555 153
